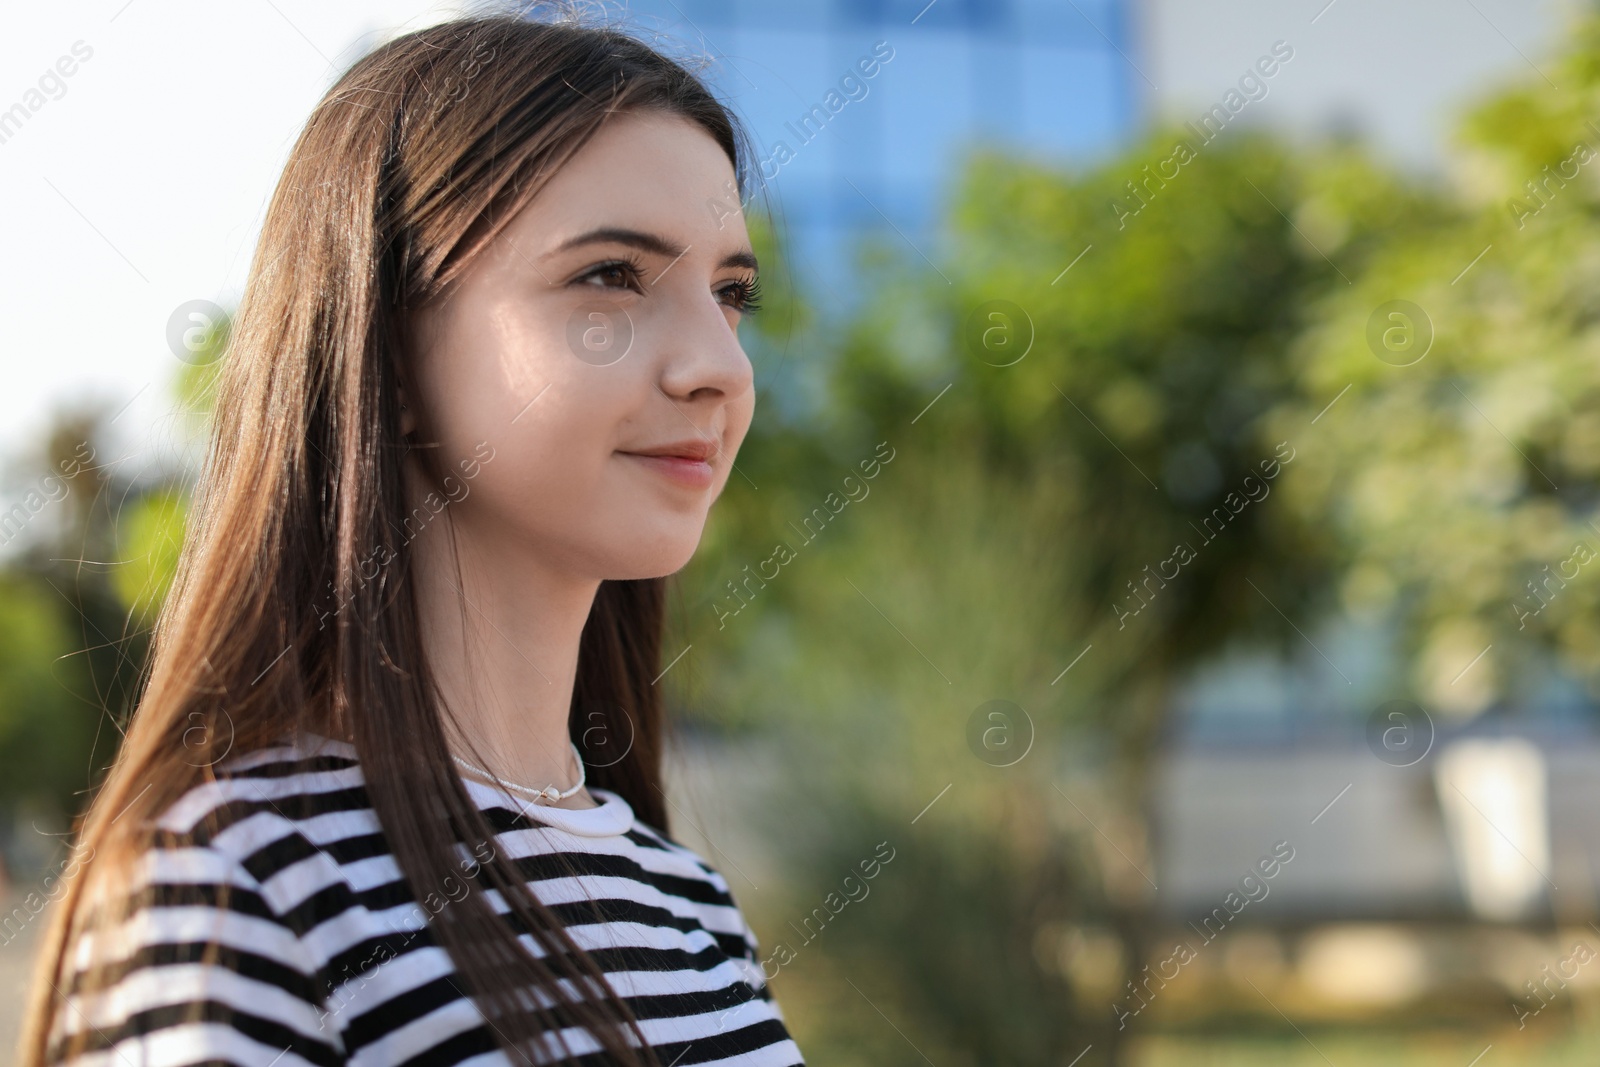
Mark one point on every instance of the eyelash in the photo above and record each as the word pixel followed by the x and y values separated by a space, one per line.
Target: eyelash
pixel 746 293
pixel 633 268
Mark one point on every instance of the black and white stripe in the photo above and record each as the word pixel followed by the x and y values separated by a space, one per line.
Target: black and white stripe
pixel 326 956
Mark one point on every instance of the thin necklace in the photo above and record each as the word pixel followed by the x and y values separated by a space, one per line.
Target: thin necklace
pixel 549 794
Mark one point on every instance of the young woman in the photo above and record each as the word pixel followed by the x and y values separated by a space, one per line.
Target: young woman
pixel 392 793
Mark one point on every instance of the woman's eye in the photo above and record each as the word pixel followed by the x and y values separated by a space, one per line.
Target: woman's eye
pixel 743 296
pixel 613 276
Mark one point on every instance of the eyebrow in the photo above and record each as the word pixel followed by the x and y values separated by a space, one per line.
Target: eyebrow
pixel 650 242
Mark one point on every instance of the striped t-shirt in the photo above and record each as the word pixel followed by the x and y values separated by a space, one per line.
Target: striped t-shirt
pixel 327 958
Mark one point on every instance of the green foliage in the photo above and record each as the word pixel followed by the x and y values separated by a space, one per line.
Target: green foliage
pixel 150 535
pixel 1168 351
pixel 1140 403
pixel 42 730
pixel 76 605
pixel 1456 481
pixel 1030 493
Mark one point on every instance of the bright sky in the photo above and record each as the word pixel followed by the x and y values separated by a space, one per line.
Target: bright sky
pixel 141 185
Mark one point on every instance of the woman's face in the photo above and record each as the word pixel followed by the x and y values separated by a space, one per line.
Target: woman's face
pixel 600 324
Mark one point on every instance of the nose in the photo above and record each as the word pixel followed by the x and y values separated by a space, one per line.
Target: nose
pixel 703 359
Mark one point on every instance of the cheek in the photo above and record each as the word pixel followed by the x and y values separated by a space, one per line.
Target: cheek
pixel 549 421
pixel 739 415
pixel 555 458
pixel 741 412
pixel 553 486
pixel 501 373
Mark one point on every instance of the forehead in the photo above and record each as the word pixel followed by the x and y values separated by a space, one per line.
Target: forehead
pixel 645 170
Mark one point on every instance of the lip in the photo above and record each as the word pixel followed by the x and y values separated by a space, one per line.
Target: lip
pixel 688 448
pixel 686 471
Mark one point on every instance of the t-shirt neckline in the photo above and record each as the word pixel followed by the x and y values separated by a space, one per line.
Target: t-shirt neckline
pixel 612 817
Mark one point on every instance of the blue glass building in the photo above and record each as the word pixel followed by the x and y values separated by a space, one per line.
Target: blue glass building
pixel 859 109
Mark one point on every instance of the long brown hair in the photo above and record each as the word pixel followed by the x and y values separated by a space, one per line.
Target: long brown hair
pixel 278 622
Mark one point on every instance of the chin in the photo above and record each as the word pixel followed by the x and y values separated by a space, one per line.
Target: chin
pixel 660 561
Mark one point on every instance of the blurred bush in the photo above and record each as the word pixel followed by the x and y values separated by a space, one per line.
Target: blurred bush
pixel 1071 393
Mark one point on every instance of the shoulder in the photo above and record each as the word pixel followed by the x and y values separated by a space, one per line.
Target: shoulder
pixel 205 949
pixel 682 872
pixel 660 851
pixel 256 822
pixel 290 779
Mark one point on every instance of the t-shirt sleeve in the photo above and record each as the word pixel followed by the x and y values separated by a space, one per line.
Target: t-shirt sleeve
pixel 202 971
pixel 752 962
pixel 764 990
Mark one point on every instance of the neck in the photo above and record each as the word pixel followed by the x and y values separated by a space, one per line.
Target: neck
pixel 501 640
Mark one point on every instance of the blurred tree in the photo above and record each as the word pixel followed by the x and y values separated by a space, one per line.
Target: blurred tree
pixel 43 728
pixel 93 561
pixel 1075 392
pixel 68 662
pixel 1461 475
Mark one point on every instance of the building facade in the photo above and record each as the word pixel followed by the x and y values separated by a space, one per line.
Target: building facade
pixel 860 110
